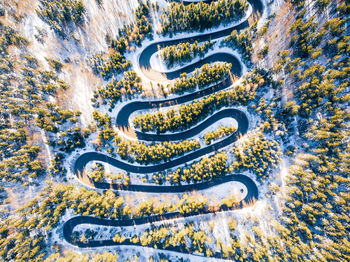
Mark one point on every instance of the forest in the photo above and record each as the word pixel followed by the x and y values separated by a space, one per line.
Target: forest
pixel 26 95
pixel 257 154
pixel 242 41
pixel 184 52
pixel 115 90
pixel 114 62
pixel 219 133
pixel 138 151
pixel 200 16
pixel 59 14
pixel 186 116
pixel 56 199
pixel 296 149
pixel 204 170
pixel 153 153
pixel 201 78
pixel 97 173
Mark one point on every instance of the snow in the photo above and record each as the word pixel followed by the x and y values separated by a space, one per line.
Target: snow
pixel 108 19
pixel 221 230
pixel 267 11
pixel 99 21
pixel 84 83
pixel 145 253
pixel 237 189
pixel 105 19
pixel 155 15
pixel 157 63
pixel 46 145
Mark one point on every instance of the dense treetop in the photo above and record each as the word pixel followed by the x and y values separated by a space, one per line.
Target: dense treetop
pixel 201 16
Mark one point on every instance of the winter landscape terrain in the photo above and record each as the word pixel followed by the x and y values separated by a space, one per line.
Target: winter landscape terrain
pixel 174 130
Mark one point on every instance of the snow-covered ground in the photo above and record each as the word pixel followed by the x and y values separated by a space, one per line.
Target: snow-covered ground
pixel 84 83
pixel 234 188
pixel 108 18
pixel 100 20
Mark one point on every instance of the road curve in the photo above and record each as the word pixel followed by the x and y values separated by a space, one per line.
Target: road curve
pixel 145 56
pixel 122 119
pixel 240 117
pixel 69 226
pixel 122 122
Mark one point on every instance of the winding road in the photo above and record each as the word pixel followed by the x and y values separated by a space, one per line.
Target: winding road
pixel 122 123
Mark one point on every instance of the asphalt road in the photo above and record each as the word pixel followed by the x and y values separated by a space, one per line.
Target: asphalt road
pixel 122 122
pixel 69 226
